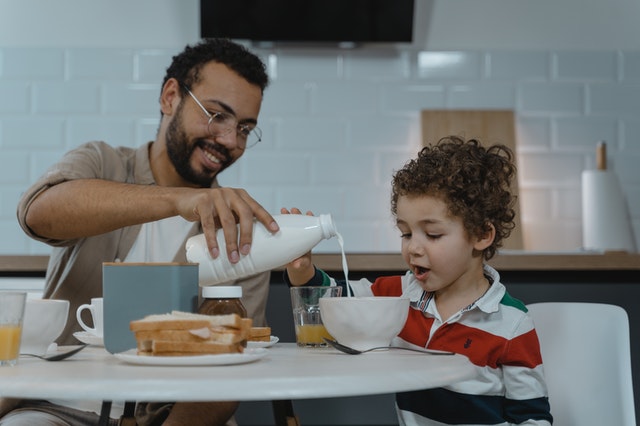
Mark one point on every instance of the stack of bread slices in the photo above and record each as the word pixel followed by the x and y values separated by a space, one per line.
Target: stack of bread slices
pixel 260 334
pixel 183 334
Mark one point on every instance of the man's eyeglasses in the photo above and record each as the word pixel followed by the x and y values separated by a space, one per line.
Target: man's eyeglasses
pixel 221 123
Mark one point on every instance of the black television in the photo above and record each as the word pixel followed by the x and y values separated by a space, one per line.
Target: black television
pixel 308 21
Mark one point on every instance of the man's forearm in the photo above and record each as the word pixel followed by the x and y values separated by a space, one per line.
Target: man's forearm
pixel 87 207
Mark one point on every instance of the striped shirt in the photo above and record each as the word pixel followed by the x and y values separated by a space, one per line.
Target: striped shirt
pixel 495 333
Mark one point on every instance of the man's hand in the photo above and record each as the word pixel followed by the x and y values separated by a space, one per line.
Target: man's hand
pixel 230 209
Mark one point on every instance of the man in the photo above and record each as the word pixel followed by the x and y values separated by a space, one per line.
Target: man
pixel 104 204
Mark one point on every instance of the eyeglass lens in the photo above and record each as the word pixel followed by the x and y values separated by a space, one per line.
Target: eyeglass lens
pixel 222 124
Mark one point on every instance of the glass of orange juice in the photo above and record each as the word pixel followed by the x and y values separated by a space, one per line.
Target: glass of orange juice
pixel 305 301
pixel 11 314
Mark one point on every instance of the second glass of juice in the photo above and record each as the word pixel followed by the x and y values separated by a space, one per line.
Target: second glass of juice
pixel 305 301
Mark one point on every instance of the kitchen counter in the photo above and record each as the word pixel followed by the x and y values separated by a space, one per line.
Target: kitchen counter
pixel 511 261
pixel 507 261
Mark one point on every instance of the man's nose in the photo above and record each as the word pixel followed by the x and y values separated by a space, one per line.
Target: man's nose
pixel 229 139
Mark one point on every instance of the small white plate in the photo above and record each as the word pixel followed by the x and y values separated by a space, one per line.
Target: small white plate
pixel 88 338
pixel 249 355
pixel 272 341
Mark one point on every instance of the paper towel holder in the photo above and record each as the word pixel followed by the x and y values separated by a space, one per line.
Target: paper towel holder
pixel 606 224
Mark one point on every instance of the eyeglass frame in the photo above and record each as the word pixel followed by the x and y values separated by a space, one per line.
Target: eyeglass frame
pixel 238 127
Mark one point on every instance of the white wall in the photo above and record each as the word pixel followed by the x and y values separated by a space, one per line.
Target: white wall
pixel 441 24
pixel 338 121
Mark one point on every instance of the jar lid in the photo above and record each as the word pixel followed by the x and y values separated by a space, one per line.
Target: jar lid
pixel 221 292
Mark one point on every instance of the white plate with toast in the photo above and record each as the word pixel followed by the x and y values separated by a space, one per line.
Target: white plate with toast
pixel 249 355
pixel 272 341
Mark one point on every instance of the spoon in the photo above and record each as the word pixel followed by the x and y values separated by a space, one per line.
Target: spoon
pixel 352 351
pixel 58 356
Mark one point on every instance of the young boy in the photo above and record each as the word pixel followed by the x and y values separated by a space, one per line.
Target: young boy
pixel 453 207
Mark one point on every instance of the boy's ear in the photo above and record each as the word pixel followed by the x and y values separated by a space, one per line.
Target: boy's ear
pixel 487 239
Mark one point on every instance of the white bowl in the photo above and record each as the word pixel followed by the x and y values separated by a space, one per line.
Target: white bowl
pixel 44 320
pixel 364 322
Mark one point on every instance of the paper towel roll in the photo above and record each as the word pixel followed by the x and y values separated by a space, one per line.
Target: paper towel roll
pixel 605 219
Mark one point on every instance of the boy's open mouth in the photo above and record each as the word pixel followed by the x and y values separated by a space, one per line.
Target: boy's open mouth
pixel 421 272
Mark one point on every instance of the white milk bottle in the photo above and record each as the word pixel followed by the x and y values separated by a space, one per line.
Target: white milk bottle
pixel 297 235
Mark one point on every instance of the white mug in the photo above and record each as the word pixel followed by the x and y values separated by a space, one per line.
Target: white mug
pixel 96 315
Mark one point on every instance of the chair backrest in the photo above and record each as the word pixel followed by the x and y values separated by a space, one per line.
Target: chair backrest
pixel 587 362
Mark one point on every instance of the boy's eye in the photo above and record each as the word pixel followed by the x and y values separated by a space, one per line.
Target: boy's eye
pixel 434 236
pixel 405 235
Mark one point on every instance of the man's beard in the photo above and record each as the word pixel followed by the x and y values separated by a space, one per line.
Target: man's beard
pixel 180 151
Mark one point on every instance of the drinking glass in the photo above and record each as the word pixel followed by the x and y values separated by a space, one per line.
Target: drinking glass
pixel 11 315
pixel 305 301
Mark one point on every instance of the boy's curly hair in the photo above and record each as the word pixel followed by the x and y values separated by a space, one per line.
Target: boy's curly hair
pixel 185 66
pixel 472 180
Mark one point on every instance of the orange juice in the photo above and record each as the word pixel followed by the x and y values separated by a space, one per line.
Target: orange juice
pixel 9 342
pixel 311 335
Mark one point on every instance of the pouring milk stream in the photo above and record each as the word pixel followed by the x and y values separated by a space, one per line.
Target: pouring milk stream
pixel 297 235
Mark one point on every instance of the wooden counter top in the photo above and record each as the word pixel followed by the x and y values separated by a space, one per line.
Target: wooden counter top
pixel 509 261
pixel 512 261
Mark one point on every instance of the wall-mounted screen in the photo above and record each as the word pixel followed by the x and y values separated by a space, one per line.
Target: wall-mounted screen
pixel 313 21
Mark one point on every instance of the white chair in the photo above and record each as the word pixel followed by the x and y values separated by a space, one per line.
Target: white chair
pixel 587 362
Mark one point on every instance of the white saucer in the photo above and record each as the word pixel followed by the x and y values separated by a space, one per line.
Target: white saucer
pixel 88 338
pixel 272 341
pixel 250 355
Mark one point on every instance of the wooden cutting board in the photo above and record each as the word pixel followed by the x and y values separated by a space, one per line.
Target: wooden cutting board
pixel 489 127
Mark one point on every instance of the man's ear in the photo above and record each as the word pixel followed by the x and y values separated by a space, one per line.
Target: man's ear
pixel 487 239
pixel 170 96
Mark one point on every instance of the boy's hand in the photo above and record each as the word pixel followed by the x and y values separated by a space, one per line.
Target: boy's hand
pixel 299 270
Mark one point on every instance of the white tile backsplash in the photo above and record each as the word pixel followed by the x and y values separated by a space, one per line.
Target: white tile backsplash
pixel 581 66
pixel 631 67
pixel 298 65
pixel 14 97
pixel 608 98
pixel 519 66
pixel 33 64
pixel 66 98
pixel 100 64
pixel 337 124
pixel 450 65
pixel 482 95
pixel 341 97
pixel 121 99
pixel 81 129
pixel 32 132
pixel 550 98
pixel 578 133
pixel 377 65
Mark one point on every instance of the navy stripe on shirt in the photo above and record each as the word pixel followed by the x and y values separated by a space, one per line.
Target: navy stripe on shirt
pixel 450 407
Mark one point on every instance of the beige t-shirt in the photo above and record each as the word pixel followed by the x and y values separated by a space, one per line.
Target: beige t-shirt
pixel 74 272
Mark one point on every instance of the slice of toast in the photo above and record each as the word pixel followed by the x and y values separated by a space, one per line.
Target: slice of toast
pixel 169 348
pixel 178 320
pixel 220 335
pixel 260 334
pixel 168 323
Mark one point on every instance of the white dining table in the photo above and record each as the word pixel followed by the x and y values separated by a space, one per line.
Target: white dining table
pixel 284 372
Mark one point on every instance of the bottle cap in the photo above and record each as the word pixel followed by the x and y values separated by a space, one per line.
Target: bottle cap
pixel 327 225
pixel 221 292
